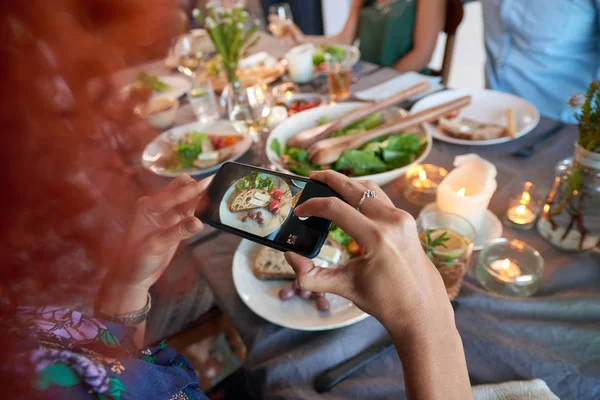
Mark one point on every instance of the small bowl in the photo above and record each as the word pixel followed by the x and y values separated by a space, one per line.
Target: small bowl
pixel 160 112
pixel 307 97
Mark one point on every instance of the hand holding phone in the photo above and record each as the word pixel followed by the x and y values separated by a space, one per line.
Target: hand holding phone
pixel 258 205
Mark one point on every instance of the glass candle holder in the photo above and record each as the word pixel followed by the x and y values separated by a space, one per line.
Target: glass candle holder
pixel 510 268
pixel 422 182
pixel 284 91
pixel 524 205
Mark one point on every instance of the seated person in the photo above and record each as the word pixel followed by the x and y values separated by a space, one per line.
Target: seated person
pixel 392 33
pixel 542 50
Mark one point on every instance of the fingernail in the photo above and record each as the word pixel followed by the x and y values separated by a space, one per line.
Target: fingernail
pixel 191 180
pixel 194 225
pixel 312 173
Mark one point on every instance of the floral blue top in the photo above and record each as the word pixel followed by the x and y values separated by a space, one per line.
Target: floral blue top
pixel 76 357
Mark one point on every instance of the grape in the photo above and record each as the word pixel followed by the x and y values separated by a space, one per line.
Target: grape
pixel 305 294
pixel 323 304
pixel 286 294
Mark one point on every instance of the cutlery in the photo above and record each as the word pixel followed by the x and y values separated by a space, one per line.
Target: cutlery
pixel 335 375
pixel 304 139
pixel 528 151
pixel 328 151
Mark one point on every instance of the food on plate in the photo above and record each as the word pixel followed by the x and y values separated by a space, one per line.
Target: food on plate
pixel 151 82
pixel 201 150
pixel 249 199
pixel 254 191
pixel 382 154
pixel 299 105
pixel 250 72
pixel 335 52
pixel 160 105
pixel 468 129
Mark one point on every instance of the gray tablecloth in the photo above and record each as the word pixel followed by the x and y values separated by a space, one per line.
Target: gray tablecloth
pixel 554 335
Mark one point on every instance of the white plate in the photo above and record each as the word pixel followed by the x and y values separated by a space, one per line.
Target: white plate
pixel 487 106
pixel 179 86
pixel 491 228
pixel 162 143
pixel 272 221
pixel 307 119
pixel 397 84
pixel 262 298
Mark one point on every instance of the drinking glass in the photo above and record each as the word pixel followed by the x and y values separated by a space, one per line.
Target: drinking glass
pixel 191 52
pixel 284 12
pixel 448 242
pixel 339 78
pixel 249 109
pixel 203 101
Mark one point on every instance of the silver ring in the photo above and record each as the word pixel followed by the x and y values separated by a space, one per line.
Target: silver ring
pixel 368 194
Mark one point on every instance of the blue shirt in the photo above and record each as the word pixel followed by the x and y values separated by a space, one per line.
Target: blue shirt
pixel 542 50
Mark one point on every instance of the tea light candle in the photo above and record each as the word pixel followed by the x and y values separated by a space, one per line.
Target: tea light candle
pixel 468 188
pixel 523 206
pixel 422 182
pixel 509 267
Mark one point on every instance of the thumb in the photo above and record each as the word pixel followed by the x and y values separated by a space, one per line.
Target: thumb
pixel 317 279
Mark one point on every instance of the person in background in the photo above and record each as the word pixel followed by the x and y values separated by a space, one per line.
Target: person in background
pixel 542 50
pixel 393 33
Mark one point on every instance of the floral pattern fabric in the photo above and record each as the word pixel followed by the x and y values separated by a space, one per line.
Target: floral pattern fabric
pixel 79 357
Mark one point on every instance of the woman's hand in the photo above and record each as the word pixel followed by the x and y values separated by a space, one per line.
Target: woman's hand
pixel 161 222
pixel 285 29
pixel 395 282
pixel 393 277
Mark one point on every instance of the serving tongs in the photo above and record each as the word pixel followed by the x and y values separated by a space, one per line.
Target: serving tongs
pixel 329 150
pixel 306 138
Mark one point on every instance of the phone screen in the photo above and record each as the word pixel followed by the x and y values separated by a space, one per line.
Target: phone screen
pixel 258 204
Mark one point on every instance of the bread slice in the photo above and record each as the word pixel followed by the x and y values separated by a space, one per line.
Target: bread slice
pixel 468 129
pixel 247 200
pixel 270 264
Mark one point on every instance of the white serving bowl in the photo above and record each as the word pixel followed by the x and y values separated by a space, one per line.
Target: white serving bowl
pixel 307 119
pixel 162 119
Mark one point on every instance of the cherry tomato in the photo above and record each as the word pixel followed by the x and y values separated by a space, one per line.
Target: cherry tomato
pixel 274 205
pixel 230 140
pixel 277 195
pixel 354 249
pixel 218 143
pixel 453 114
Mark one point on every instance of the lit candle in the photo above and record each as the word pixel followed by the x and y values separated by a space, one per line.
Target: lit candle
pixel 520 215
pixel 507 270
pixel 468 188
pixel 422 182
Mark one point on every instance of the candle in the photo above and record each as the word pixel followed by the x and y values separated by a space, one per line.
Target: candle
pixel 300 63
pixel 507 270
pixel 520 215
pixel 468 188
pixel 422 182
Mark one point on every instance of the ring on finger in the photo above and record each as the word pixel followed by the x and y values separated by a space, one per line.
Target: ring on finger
pixel 367 194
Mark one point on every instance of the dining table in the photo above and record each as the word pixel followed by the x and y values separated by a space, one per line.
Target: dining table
pixel 553 335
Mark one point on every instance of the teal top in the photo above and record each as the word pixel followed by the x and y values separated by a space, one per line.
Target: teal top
pixel 386 33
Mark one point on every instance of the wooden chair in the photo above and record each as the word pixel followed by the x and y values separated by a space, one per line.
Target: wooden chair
pixel 454 16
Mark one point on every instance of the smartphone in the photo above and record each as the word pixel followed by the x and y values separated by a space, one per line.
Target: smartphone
pixel 258 205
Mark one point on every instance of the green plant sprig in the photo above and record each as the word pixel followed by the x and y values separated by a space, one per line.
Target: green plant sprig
pixel 439 241
pixel 588 116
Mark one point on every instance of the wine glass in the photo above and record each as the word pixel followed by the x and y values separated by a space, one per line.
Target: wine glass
pixel 191 51
pixel 249 109
pixel 284 14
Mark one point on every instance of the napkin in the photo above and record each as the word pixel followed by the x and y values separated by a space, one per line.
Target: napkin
pixel 397 84
pixel 535 389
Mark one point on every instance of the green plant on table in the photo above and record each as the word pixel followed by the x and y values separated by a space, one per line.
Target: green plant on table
pixel 231 35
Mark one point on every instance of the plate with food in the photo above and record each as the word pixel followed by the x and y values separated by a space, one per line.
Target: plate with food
pixel 381 160
pixel 258 204
pixel 194 149
pixel 491 118
pixel 298 102
pixel 164 85
pixel 266 284
pixel 259 68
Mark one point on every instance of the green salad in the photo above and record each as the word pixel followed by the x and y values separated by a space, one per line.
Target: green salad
pixel 380 155
pixel 188 149
pixel 335 52
pixel 147 81
pixel 255 180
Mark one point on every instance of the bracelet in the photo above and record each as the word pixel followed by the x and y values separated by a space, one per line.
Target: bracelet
pixel 129 319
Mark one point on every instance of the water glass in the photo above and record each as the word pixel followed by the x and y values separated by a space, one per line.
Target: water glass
pixel 339 78
pixel 203 101
pixel 249 109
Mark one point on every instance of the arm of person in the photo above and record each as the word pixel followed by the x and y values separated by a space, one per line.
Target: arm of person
pixel 346 36
pixel 394 281
pixel 430 19
pixel 160 224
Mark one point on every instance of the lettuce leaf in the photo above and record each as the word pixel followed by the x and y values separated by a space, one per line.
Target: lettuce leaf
pixel 358 162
